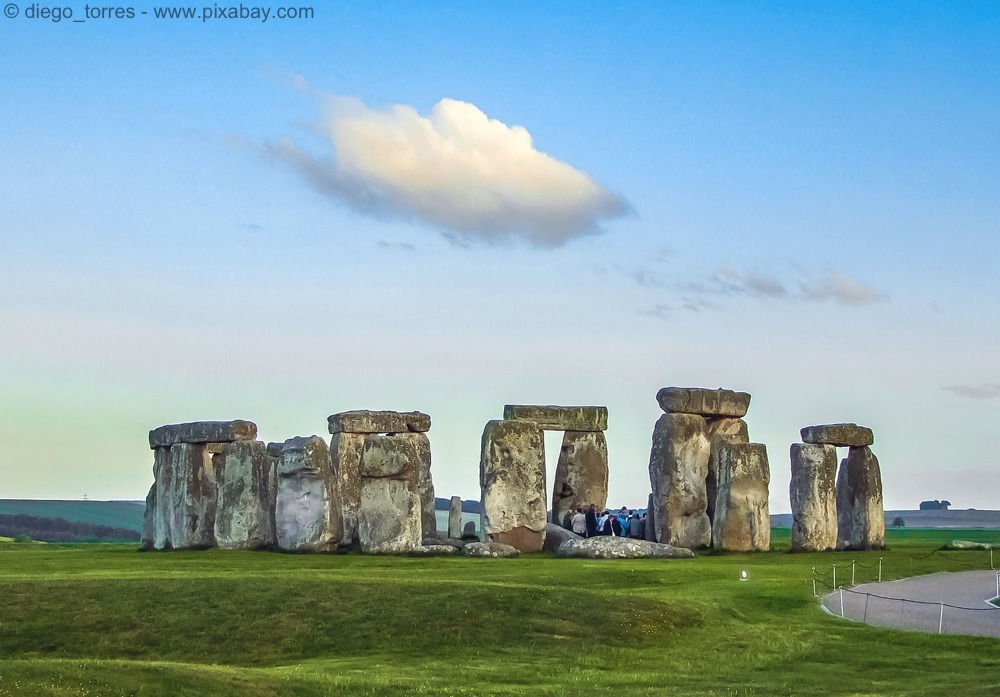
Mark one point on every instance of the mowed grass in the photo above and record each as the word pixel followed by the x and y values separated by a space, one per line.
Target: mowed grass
pixel 108 620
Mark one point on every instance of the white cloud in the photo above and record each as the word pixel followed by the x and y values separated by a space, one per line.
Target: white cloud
pixel 840 288
pixel 477 178
pixel 986 391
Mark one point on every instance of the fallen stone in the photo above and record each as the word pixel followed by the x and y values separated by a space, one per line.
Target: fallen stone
pixel 389 519
pixel 968 544
pixel 345 454
pixel 554 418
pixel 695 400
pixel 450 541
pixel 455 517
pixel 246 483
pixel 813 494
pixel 555 535
pixel 489 549
pixel 425 484
pixel 202 432
pixel 678 468
pixel 434 550
pixel 840 435
pixel 720 430
pixel 620 548
pixel 742 519
pixel 307 506
pixel 581 475
pixel 363 421
pixel 512 482
pixel 864 480
pixel 193 497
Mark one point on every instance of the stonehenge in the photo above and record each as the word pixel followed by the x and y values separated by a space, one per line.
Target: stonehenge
pixel 512 470
pixel 709 483
pixel 845 512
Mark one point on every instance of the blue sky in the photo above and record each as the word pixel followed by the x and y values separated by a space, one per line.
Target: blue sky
pixel 795 200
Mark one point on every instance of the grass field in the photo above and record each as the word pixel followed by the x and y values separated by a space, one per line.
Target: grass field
pixel 108 620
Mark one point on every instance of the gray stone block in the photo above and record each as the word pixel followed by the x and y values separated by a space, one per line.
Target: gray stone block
pixel 202 432
pixel 704 402
pixel 840 435
pixel 556 418
pixel 364 421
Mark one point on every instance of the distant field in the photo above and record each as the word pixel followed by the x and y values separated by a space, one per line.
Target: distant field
pixel 116 514
pixel 964 519
pixel 108 620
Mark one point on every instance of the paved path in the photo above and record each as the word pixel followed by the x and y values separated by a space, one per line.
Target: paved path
pixel 915 603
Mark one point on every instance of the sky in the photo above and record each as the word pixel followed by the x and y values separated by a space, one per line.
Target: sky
pixel 449 207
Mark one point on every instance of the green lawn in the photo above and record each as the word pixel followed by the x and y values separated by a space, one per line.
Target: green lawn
pixel 107 620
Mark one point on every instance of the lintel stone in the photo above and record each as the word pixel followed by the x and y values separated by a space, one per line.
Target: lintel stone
pixel 202 432
pixel 364 421
pixel 704 402
pixel 555 418
pixel 840 435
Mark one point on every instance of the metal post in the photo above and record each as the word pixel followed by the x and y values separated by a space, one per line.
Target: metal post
pixel 991 559
pixel 814 583
pixel 998 585
pixel 841 603
pixel 852 571
pixel 880 569
pixel 864 620
pixel 834 575
pixel 941 619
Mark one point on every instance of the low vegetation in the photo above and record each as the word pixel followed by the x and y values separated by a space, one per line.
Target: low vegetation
pixel 108 620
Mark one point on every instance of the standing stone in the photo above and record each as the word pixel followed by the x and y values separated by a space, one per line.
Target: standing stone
pixel 163 512
pixel 469 530
pixel 742 519
pixel 694 400
pixel 148 521
pixel 581 475
pixel 193 496
pixel 720 430
pixel 864 480
pixel 389 520
pixel 845 506
pixel 425 484
pixel 650 520
pixel 512 481
pixel 244 517
pixel 455 517
pixel 678 467
pixel 345 453
pixel 307 505
pixel 813 495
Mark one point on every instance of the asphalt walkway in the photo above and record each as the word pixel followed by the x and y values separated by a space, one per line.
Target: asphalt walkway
pixel 957 603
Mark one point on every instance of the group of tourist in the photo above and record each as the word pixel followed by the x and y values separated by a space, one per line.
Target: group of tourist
pixel 625 523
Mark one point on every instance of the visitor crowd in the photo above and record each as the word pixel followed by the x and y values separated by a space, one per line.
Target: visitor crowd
pixel 624 523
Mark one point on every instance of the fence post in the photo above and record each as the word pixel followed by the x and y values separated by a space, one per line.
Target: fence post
pixel 835 576
pixel 998 584
pixel 852 571
pixel 864 620
pixel 941 619
pixel 814 583
pixel 991 559
pixel 880 569
pixel 841 603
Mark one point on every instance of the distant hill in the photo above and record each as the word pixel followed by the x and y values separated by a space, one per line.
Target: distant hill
pixel 468 506
pixel 115 514
pixel 936 519
pixel 30 527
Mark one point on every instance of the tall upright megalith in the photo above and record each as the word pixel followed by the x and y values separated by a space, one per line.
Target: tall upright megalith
pixel 678 467
pixel 247 487
pixel 455 517
pixel 812 491
pixel 742 518
pixel 389 518
pixel 307 510
pixel 512 484
pixel 581 474
pixel 864 491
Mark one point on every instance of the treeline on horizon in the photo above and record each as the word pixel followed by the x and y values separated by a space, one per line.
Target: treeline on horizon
pixel 441 504
pixel 61 530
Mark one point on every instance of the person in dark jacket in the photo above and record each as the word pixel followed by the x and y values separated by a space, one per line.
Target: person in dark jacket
pixel 591 520
pixel 612 526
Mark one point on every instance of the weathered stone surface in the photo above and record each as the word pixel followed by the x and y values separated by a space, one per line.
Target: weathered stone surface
pixel 813 494
pixel 363 421
pixel 434 550
pixel 489 549
pixel 202 432
pixel 193 496
pixel 845 506
pixel 742 519
pixel 345 453
pixel 840 435
pixel 469 530
pixel 581 474
pixel 720 430
pixel 246 483
pixel 148 539
pixel 389 457
pixel 650 520
pixel 307 515
pixel 274 449
pixel 425 484
pixel 450 541
pixel 864 482
pixel 555 535
pixel 512 481
pixel 620 548
pixel 554 418
pixel 389 519
pixel 455 517
pixel 678 467
pixel 696 400
pixel 163 512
